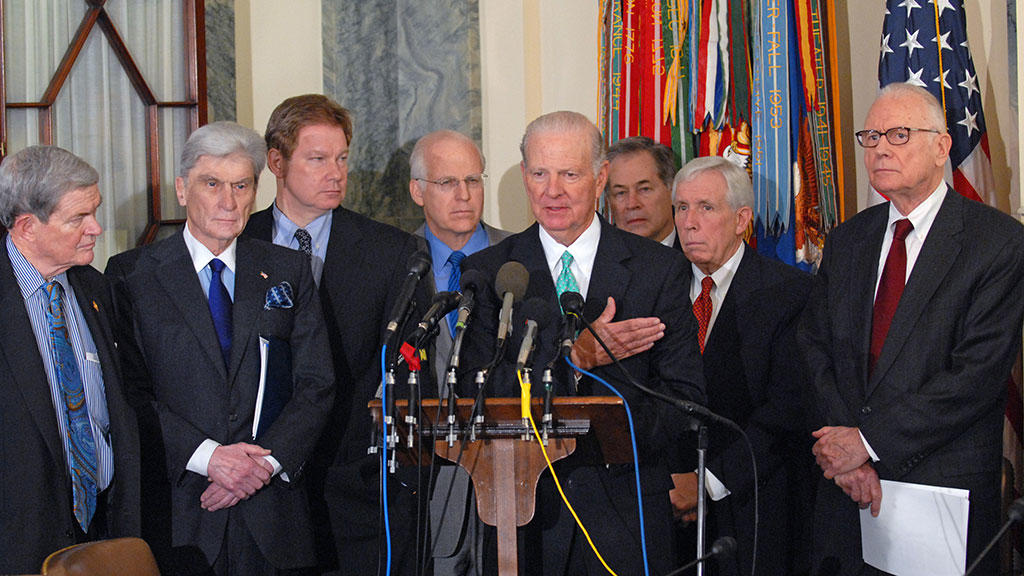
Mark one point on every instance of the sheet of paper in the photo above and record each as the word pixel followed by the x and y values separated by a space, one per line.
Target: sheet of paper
pixel 921 530
pixel 264 350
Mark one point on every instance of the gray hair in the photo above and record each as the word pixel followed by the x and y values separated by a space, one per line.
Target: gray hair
pixel 417 158
pixel 936 115
pixel 739 190
pixel 220 140
pixel 664 157
pixel 567 121
pixel 34 180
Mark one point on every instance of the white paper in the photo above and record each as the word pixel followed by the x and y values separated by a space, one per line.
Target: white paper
pixel 920 530
pixel 264 352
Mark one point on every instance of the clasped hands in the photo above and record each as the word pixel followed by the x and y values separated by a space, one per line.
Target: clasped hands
pixel 841 455
pixel 236 472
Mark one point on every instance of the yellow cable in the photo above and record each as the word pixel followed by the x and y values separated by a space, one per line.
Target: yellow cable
pixel 551 468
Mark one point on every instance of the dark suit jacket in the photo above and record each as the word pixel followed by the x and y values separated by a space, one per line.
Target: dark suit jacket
pixel 174 362
pixel 35 489
pixel 755 378
pixel 933 407
pixel 646 279
pixel 364 267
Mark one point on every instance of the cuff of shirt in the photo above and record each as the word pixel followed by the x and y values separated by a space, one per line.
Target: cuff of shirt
pixel 277 468
pixel 874 457
pixel 200 460
pixel 714 486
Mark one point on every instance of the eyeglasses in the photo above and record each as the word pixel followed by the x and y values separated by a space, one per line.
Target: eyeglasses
pixel 450 183
pixel 897 136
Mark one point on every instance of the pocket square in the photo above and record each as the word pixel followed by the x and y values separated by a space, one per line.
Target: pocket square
pixel 279 296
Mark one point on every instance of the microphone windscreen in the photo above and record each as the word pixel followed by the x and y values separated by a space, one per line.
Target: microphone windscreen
pixel 512 277
pixel 540 311
pixel 572 302
pixel 724 546
pixel 418 263
pixel 473 280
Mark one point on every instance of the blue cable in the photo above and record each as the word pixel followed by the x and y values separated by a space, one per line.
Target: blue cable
pixel 384 456
pixel 636 459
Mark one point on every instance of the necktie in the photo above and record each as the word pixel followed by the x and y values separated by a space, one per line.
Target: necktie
pixel 566 281
pixel 305 242
pixel 702 310
pixel 455 259
pixel 82 446
pixel 220 309
pixel 890 288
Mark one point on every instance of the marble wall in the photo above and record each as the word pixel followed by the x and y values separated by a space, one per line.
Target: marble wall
pixel 220 60
pixel 404 68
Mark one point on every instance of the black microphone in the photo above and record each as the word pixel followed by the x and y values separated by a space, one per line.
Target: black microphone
pixel 572 307
pixel 472 280
pixel 723 548
pixel 440 306
pixel 418 265
pixel 510 285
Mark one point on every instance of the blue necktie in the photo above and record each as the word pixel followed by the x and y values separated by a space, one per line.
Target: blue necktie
pixel 305 242
pixel 220 309
pixel 82 446
pixel 455 259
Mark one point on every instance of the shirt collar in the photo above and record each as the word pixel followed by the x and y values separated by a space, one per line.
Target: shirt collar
pixel 923 215
pixel 583 249
pixel 670 240
pixel 284 228
pixel 723 276
pixel 439 251
pixel 29 279
pixel 201 255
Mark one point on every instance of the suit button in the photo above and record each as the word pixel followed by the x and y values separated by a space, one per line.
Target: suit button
pixel 232 417
pixel 69 534
pixel 865 410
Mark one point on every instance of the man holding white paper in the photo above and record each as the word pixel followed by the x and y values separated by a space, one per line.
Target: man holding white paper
pixel 910 334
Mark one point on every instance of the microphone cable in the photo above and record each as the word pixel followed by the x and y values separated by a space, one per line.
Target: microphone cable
pixel 690 408
pixel 558 485
pixel 384 457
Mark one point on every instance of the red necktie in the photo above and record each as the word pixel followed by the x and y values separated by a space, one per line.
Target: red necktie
pixel 702 310
pixel 890 288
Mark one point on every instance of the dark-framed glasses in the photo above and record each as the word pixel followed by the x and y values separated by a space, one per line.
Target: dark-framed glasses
pixel 897 136
pixel 450 183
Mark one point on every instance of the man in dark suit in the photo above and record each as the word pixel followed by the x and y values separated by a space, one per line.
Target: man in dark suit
pixel 911 378
pixel 359 265
pixel 447 180
pixel 639 190
pixel 572 248
pixel 68 438
pixel 747 308
pixel 227 347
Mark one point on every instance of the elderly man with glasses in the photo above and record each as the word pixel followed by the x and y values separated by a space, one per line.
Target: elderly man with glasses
pixel 911 331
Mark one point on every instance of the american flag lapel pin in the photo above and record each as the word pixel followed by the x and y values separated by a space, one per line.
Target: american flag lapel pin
pixel 264 275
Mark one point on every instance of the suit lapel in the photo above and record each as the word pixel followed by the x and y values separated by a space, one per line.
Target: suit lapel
pixel 250 292
pixel 743 283
pixel 18 346
pixel 344 253
pixel 610 276
pixel 529 252
pixel 941 248
pixel 863 275
pixel 181 284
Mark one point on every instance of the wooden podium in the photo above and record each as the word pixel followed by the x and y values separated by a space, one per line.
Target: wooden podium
pixel 505 467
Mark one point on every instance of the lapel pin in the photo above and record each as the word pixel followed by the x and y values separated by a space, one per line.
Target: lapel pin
pixel 95 307
pixel 264 275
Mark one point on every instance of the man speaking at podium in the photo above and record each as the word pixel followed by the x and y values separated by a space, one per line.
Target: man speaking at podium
pixel 623 277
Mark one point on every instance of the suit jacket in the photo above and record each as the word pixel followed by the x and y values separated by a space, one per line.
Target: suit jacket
pixel 932 409
pixel 364 267
pixel 763 394
pixel 186 394
pixel 646 279
pixel 35 488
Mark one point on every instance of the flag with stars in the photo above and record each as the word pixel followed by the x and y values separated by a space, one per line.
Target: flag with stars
pixel 914 51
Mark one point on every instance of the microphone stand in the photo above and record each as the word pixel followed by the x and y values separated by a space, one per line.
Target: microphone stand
pixel 702 502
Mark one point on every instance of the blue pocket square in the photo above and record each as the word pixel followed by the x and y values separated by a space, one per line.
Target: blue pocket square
pixel 279 296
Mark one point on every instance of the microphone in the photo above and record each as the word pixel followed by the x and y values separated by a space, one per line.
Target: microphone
pixel 1014 515
pixel 440 306
pixel 418 265
pixel 723 547
pixel 572 307
pixel 472 280
pixel 526 348
pixel 510 285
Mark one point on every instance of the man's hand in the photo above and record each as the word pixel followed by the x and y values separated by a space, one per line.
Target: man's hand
pixel 684 496
pixel 216 497
pixel 240 468
pixel 624 338
pixel 862 485
pixel 838 450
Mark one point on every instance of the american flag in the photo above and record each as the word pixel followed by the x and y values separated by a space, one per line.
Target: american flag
pixel 912 51
pixel 924 42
